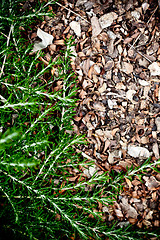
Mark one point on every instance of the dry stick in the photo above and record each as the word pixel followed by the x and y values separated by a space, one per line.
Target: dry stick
pixel 72 12
pixel 144 28
pixel 131 46
pixel 4 60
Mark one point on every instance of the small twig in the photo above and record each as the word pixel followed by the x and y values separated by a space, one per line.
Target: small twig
pixel 144 28
pixel 43 60
pixel 140 53
pixel 131 46
pixel 86 156
pixel 4 60
pixel 152 14
pixel 78 15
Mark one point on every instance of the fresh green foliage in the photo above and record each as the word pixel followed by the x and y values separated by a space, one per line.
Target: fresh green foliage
pixel 38 158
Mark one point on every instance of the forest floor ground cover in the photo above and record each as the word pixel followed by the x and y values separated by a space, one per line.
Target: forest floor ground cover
pixel 117 64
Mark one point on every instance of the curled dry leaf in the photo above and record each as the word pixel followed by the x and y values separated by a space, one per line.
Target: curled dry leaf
pixel 129 210
pixel 109 65
pixel 111 103
pixel 130 93
pixel 132 220
pixel 128 183
pixel 112 156
pixel 46 40
pixel 151 182
pixel 149 215
pixel 97 68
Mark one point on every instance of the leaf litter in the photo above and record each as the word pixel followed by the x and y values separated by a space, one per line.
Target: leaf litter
pixel 116 60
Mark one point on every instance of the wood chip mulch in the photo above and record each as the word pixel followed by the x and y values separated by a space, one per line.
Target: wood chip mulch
pixel 117 63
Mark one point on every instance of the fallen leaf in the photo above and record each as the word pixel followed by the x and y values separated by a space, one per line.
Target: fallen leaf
pixel 143 82
pixel 144 140
pixel 111 103
pixel 109 65
pixel 145 6
pixel 136 152
pixel 157 122
pixel 108 134
pixel 86 66
pixel 82 94
pixel 107 19
pixel 151 182
pixel 129 94
pixel 130 211
pixel 75 26
pixel 106 146
pixel 154 69
pixel 156 150
pixel 147 223
pixel 99 106
pixel 97 69
pixel 149 215
pixel 46 40
pixel 128 183
pixel 80 2
pixel 96 28
pixel 132 220
pixel 136 14
pixel 86 84
pixel 118 213
pixel 93 170
pixel 111 157
pixel 99 132
pixel 89 172
pixel 127 67
pixel 103 88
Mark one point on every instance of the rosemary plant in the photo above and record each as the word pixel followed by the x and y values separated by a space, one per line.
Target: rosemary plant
pixel 37 198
